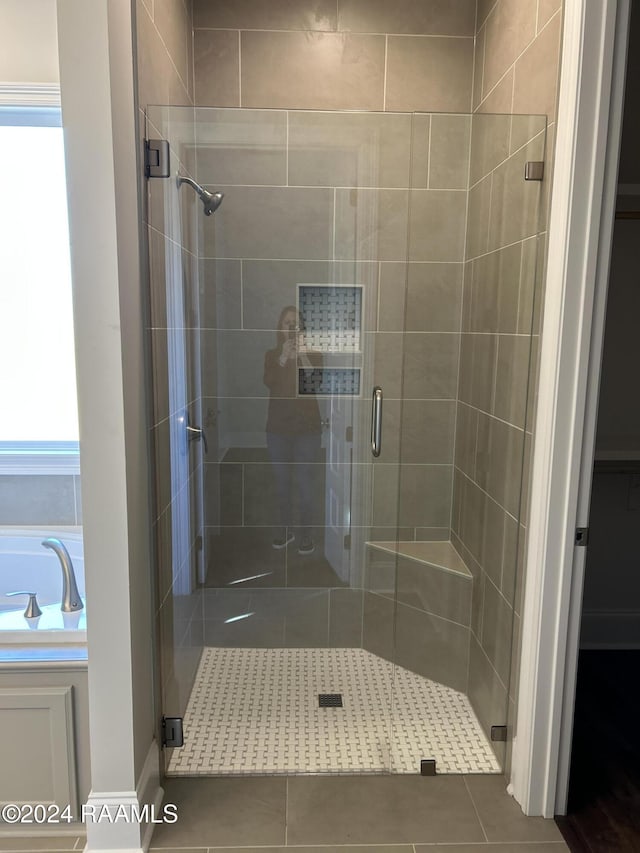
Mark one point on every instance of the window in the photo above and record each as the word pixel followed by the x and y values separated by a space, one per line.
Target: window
pixel 39 418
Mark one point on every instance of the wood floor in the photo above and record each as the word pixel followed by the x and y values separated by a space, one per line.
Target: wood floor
pixel 604 790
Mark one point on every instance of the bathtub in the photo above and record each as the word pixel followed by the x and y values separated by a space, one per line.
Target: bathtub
pixel 26 565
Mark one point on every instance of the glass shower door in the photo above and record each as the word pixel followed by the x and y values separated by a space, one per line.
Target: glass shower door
pixel 324 609
pixel 475 226
pixel 300 275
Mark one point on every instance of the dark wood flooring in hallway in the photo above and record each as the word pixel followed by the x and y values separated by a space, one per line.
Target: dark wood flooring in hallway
pixel 604 790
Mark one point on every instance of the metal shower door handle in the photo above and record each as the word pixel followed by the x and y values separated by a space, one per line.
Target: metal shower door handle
pixel 376 421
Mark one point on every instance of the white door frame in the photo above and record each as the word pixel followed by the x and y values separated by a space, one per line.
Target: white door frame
pixel 580 229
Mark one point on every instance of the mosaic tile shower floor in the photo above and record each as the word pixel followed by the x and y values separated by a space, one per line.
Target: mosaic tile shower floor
pixel 255 711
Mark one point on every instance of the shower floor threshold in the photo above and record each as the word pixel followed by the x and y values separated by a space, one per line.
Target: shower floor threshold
pixel 256 712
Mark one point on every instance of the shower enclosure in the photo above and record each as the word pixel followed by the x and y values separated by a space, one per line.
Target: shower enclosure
pixel 341 354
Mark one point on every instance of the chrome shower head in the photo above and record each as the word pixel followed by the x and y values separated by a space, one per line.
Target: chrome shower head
pixel 211 201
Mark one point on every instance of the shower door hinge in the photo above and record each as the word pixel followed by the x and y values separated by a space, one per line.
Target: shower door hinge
pixel 346 542
pixel 156 158
pixel 582 536
pixel 428 767
pixel 172 733
pixel 499 733
pixel 534 170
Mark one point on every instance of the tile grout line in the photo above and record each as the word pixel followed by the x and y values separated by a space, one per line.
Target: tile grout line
pixel 384 78
pixel 239 68
pixel 286 813
pixel 475 808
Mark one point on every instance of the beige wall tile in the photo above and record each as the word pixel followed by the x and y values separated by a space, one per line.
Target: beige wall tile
pixel 258 15
pixel 236 553
pixel 489 144
pixel 349 150
pixel 271 222
pixel 216 57
pixel 432 647
pixel 241 146
pixel 524 128
pixel 371 225
pixel 499 461
pixel 511 378
pixel 312 70
pixel 425 494
pixel 466 434
pixel 420 132
pixel 478 218
pixel 537 73
pixel 393 285
pixel 434 295
pixel 510 559
pixel 429 73
pixel 174 25
pixel 426 431
pixel 510 28
pixel 434 591
pixel 345 618
pixel 515 203
pixel 478 68
pixel 436 227
pixel 430 365
pixel 495 291
pixel 486 692
pixel 500 98
pixel 449 152
pixel 454 18
pixel 547 8
pixel 220 294
pixel 484 8
pixel 531 258
pixel 477 370
pixel 233 363
pixel 158 82
pixel 471 516
pixel 378 625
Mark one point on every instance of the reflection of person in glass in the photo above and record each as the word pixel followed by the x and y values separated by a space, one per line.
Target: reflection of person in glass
pixel 293 428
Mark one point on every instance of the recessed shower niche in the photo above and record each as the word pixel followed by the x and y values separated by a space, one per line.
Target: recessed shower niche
pixel 331 317
pixel 351 252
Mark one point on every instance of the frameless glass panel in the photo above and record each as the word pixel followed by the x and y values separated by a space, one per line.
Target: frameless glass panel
pixel 293 335
pixel 474 227
pixel 347 252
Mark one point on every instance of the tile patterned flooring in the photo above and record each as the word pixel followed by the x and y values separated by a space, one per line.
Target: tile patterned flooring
pixel 255 711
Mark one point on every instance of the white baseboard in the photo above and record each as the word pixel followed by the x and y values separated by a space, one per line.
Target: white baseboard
pixel 610 629
pixel 126 836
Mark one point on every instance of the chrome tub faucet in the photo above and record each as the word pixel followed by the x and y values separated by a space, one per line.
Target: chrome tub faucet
pixel 71 600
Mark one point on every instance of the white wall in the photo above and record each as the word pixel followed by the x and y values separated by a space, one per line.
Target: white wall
pixel 28 42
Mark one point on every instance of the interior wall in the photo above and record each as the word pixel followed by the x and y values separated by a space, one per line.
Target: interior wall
pixel 33 24
pixel 516 64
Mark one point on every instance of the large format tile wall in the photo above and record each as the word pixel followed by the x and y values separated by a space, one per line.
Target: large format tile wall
pixel 165 76
pixel 369 56
pixel 331 208
pixel 515 72
pixel 328 56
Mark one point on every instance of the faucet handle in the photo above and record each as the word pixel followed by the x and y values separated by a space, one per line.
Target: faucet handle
pixel 32 611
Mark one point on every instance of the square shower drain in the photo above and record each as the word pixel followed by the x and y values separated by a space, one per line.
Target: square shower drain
pixel 330 700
